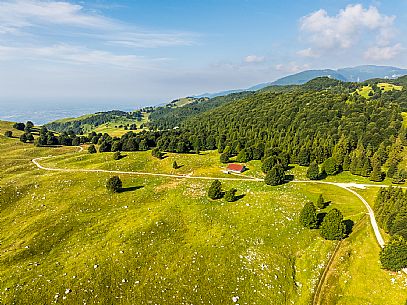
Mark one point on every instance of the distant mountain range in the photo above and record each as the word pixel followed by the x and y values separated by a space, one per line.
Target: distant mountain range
pixel 354 74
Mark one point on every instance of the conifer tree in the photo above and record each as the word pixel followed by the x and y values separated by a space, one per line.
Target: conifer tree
pixel 313 171
pixel 215 190
pixel 308 216
pixel 394 255
pixel 332 227
pixel 114 184
pixel 346 163
pixel 92 149
pixel 376 174
pixel 275 176
pixel 320 202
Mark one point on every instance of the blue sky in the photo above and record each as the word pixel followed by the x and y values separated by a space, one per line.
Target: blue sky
pixel 145 52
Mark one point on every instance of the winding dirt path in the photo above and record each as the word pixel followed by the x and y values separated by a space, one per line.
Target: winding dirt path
pixel 345 186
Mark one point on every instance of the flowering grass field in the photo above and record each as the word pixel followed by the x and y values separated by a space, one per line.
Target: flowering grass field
pixel 65 239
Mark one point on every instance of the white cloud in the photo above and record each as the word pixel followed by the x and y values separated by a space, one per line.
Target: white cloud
pixel 75 55
pixel 27 16
pixel 347 28
pixel 291 67
pixel 251 59
pixel 308 53
pixel 26 13
pixel 383 53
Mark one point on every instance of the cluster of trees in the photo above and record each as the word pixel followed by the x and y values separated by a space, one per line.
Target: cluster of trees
pixel 28 128
pixel 332 226
pixel 391 214
pixel 47 138
pixel 80 125
pixel 215 192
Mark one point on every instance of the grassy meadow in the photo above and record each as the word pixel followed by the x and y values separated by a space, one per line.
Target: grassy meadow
pixel 65 239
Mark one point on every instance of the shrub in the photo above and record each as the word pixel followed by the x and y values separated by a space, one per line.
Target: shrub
pixel 114 184
pixel 175 165
pixel 8 134
pixel 320 202
pixel 117 155
pixel 230 195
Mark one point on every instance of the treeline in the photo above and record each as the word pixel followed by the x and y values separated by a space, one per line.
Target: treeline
pixel 391 211
pixel 308 126
pixel 391 214
pixel 78 125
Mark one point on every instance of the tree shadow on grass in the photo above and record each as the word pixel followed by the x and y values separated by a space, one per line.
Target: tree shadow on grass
pixel 239 197
pixel 130 189
pixel 320 218
pixel 349 226
pixel 179 166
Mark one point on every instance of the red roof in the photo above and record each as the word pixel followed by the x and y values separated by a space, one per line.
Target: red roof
pixel 236 167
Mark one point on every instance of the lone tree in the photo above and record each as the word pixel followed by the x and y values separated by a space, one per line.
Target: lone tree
pixel 114 184
pixel 308 216
pixel 157 153
pixel 332 227
pixel 394 255
pixel 230 195
pixel 224 157
pixel 117 155
pixel 313 171
pixel 23 138
pixel 8 134
pixel 215 190
pixel 175 165
pixel 29 125
pixel 275 176
pixel 320 202
pixel 92 149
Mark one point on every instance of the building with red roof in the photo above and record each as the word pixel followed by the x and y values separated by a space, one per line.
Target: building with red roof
pixel 236 168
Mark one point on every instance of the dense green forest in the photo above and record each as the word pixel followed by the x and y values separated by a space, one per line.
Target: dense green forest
pixel 391 213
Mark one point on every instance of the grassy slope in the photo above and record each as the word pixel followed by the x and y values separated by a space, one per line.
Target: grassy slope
pixel 163 237
pixel 110 128
pixel 356 277
pixel 161 240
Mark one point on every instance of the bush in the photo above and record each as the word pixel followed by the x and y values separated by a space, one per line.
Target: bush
pixel 215 190
pixel 308 216
pixel 114 184
pixel 92 149
pixel 117 155
pixel 333 227
pixel 230 195
pixel 394 255
pixel 157 153
pixel 8 134
pixel 175 165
